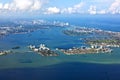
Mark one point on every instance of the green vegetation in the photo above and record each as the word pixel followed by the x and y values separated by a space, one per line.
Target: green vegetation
pixel 103 41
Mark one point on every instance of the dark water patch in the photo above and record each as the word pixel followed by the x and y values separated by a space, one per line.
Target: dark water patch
pixel 64 71
pixel 44 38
pixel 16 47
pixel 25 61
pixel 67 46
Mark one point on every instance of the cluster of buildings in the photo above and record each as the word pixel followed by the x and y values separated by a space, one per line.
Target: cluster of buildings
pixel 86 50
pixel 78 31
pixel 5 52
pixel 101 48
pixel 58 23
pixel 40 48
pixel 43 50
pixel 10 30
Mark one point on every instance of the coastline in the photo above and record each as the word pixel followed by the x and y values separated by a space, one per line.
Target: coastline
pixel 48 37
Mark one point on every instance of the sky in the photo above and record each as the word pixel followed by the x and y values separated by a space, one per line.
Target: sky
pixel 52 7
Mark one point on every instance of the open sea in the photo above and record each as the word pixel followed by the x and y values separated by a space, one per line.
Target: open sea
pixel 24 65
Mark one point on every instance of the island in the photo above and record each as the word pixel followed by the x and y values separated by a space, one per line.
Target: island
pixel 77 31
pixel 100 41
pixel 97 40
pixel 5 52
pixel 43 50
pixel 16 47
pixel 86 50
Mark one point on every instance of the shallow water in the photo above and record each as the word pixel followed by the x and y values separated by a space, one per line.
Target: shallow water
pixel 53 38
pixel 26 65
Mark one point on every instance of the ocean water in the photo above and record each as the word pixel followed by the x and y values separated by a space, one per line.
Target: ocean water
pixel 23 65
pixel 64 71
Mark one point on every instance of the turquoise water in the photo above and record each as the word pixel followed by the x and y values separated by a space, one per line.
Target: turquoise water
pixel 54 38
pixel 26 65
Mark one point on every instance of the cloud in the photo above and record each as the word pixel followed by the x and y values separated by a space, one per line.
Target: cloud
pixel 21 5
pixel 95 7
pixel 102 12
pixel 52 10
pixel 75 9
pixel 115 7
pixel 36 5
pixel 6 6
pixel 92 9
pixel 1 5
pixel 84 7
